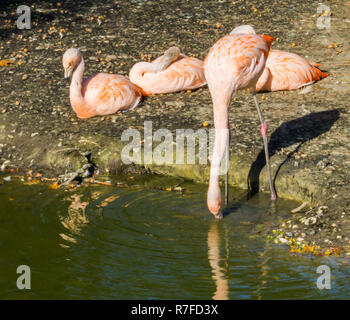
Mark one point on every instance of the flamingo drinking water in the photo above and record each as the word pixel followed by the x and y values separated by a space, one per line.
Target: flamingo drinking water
pixel 100 94
pixel 235 62
pixel 170 72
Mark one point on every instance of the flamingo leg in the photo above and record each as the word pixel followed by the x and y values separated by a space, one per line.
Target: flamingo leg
pixel 227 157
pixel 226 188
pixel 263 131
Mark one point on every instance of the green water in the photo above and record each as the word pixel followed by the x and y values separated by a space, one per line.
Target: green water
pixel 101 242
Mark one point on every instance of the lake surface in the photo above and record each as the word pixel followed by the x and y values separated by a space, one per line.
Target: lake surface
pixel 101 242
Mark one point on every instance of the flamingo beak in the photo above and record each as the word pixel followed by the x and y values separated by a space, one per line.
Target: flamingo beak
pixel 219 216
pixel 67 73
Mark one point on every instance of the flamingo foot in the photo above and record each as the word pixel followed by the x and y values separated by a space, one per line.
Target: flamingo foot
pixel 273 196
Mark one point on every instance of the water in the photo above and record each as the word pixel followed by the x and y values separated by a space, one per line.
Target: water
pixel 144 243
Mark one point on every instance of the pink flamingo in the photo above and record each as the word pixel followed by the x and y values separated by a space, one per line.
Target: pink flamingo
pixel 288 71
pixel 235 62
pixel 100 94
pixel 170 72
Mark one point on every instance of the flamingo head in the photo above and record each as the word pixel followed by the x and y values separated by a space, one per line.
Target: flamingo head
pixel 70 60
pixel 246 29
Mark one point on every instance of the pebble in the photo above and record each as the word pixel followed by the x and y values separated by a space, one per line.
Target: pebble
pixel 282 240
pixel 110 57
pixel 322 209
pixel 178 104
pixel 4 165
pixel 329 171
pixel 308 221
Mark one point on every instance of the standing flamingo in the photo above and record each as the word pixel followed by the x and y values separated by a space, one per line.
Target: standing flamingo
pixel 235 62
pixel 170 72
pixel 100 94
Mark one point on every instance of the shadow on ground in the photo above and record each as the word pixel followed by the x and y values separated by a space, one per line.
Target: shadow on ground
pixel 289 133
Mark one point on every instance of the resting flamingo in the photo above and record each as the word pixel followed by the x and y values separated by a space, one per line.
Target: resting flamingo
pixel 100 94
pixel 170 72
pixel 234 62
pixel 286 70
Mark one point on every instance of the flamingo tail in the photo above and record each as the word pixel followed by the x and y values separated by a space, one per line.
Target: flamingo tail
pixel 319 73
pixel 268 39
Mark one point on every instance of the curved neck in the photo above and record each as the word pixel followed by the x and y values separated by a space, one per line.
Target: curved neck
pixel 222 134
pixel 142 67
pixel 158 65
pixel 77 100
pixel 76 81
